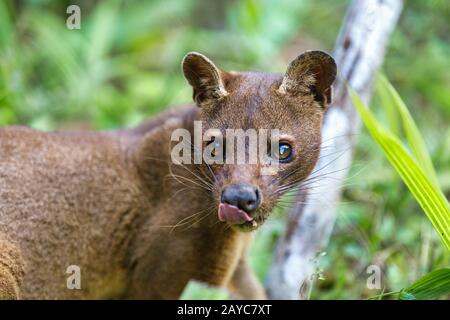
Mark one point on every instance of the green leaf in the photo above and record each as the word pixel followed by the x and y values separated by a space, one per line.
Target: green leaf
pixel 425 190
pixel 430 286
pixel 389 108
pixel 391 97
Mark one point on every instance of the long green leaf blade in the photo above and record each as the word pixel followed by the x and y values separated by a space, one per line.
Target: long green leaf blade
pixel 427 193
pixel 430 286
pixel 413 135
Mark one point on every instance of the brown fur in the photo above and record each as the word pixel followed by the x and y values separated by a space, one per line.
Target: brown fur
pixel 137 225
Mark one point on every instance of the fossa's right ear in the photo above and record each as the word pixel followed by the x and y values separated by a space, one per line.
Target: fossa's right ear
pixel 204 77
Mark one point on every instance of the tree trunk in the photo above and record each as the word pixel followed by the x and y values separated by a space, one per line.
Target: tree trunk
pixel 359 52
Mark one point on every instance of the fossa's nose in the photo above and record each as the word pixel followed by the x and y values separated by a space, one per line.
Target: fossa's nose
pixel 244 196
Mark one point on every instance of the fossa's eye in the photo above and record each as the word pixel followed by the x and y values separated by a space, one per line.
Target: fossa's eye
pixel 284 152
pixel 217 146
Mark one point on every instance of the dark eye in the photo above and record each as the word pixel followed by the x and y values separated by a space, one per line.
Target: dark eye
pixel 284 153
pixel 217 145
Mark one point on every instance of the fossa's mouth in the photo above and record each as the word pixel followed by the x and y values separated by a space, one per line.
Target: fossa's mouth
pixel 232 214
pixel 236 217
pixel 249 226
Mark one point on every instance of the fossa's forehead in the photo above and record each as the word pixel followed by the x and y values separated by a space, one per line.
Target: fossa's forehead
pixel 263 114
pixel 253 102
pixel 253 82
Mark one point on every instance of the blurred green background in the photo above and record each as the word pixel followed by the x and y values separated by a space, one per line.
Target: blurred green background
pixel 123 66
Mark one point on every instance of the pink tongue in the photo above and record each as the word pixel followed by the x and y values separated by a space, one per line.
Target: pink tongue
pixel 232 214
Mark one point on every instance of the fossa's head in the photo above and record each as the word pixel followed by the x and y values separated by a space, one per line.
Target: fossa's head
pixel 293 104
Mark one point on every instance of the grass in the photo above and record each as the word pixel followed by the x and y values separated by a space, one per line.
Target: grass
pixel 416 170
pixel 418 174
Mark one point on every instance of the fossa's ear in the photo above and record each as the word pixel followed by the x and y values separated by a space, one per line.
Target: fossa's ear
pixel 204 77
pixel 311 72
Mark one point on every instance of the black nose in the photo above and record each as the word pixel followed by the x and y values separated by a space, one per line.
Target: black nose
pixel 244 196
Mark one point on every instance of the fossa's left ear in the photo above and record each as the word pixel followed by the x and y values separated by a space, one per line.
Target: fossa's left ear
pixel 311 72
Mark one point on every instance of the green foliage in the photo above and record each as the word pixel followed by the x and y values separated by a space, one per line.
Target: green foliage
pixel 392 101
pixel 433 285
pixel 424 189
pixel 430 286
pixel 418 173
